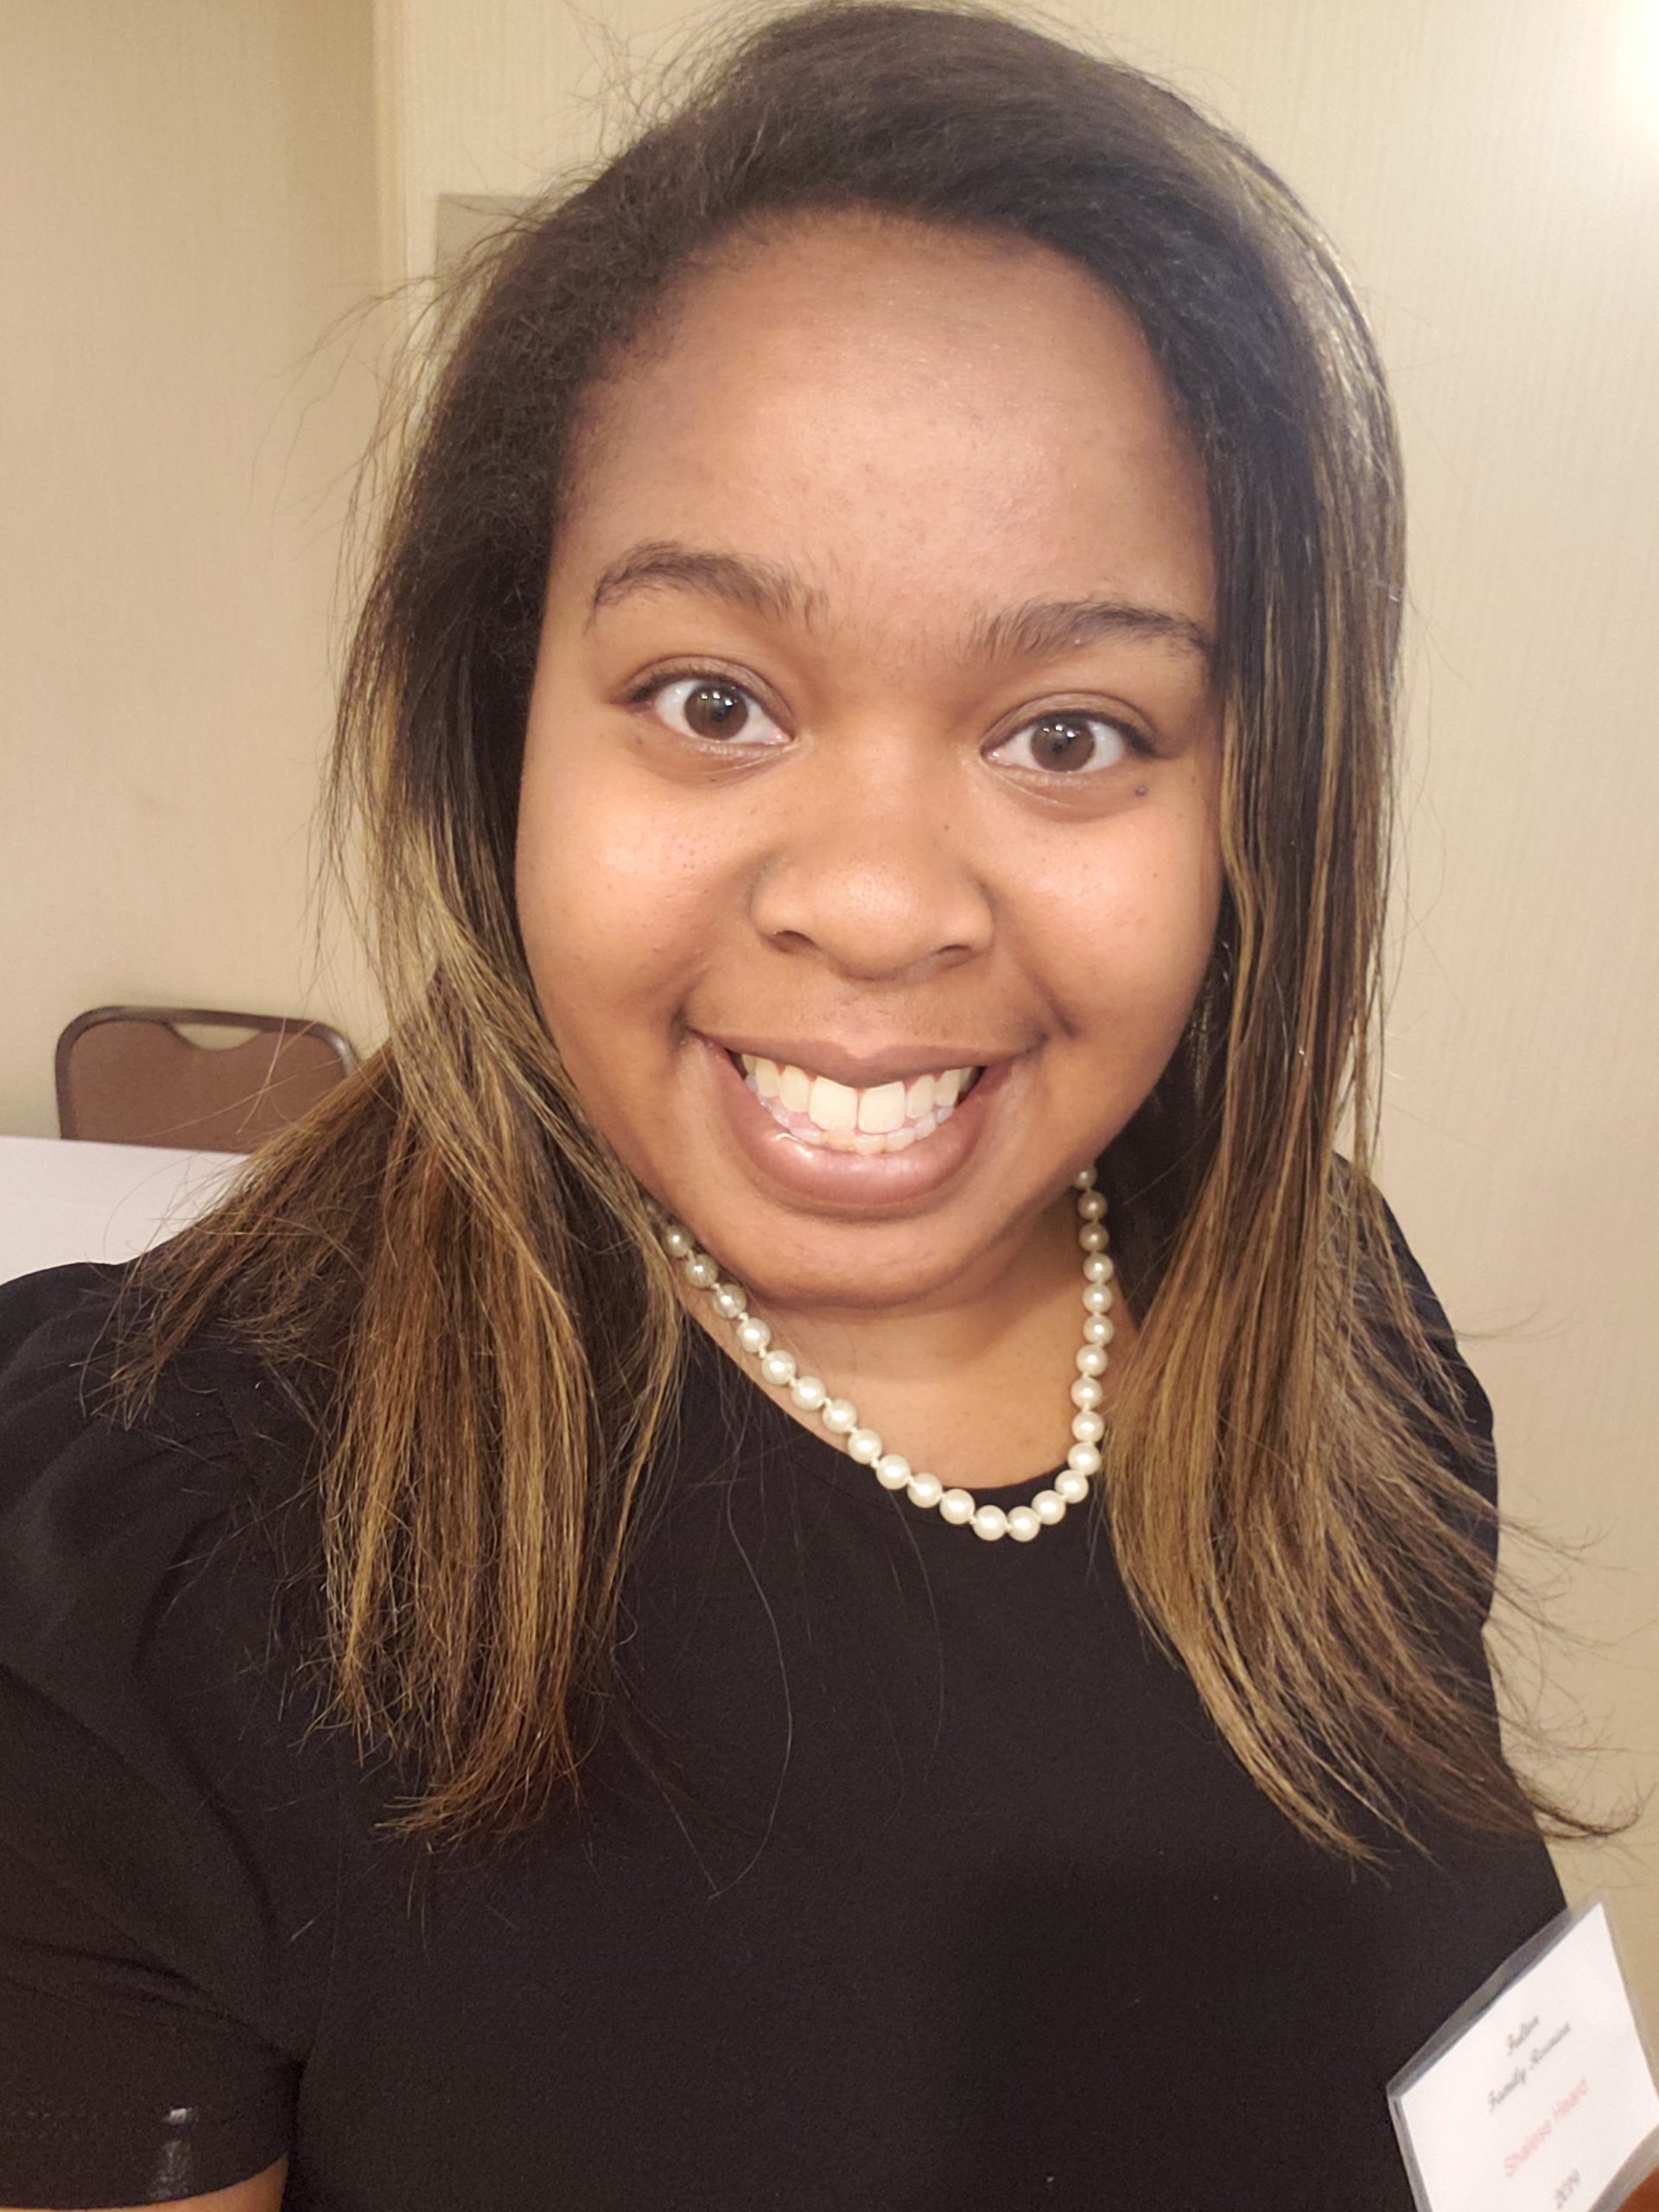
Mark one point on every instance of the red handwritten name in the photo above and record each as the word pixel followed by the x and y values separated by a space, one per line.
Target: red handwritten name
pixel 1514 2160
pixel 1564 2105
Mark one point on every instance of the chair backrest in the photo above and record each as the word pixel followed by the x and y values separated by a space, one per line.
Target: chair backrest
pixel 177 1076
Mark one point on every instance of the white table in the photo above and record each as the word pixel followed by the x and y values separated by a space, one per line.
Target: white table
pixel 63 1200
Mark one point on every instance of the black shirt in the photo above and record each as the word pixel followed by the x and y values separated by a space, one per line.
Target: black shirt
pixel 950 1895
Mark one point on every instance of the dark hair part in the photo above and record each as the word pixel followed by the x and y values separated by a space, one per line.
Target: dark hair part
pixel 457 1251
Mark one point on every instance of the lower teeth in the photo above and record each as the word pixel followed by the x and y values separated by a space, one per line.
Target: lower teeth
pixel 862 1141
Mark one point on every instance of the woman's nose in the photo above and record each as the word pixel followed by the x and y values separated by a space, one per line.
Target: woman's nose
pixel 870 868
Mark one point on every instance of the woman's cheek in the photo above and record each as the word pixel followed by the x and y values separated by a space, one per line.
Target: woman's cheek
pixel 608 907
pixel 1138 934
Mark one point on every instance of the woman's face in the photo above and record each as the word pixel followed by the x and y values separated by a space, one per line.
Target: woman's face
pixel 873 742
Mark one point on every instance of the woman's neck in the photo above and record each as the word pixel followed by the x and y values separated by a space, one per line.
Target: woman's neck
pixel 974 1388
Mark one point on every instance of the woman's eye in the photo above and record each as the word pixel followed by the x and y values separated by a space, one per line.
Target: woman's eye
pixel 705 706
pixel 1067 742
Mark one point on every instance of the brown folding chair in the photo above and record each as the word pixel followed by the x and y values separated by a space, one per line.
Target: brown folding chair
pixel 177 1076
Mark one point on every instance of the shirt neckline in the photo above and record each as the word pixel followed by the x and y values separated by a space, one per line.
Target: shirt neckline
pixel 748 1402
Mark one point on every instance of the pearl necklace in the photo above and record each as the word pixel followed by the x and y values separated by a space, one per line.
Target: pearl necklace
pixel 892 1470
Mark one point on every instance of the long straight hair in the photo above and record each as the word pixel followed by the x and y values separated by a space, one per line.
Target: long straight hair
pixel 451 1250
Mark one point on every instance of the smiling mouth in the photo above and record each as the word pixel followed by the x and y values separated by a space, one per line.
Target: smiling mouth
pixel 886 1117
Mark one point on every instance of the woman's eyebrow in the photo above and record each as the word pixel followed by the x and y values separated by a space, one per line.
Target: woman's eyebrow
pixel 1040 627
pixel 1035 628
pixel 762 586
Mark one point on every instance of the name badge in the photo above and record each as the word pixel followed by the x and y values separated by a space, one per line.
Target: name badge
pixel 1536 2095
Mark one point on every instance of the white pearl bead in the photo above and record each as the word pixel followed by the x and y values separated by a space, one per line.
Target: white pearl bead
pixel 892 1470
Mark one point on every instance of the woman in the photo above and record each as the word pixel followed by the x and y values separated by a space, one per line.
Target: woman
pixel 642 1617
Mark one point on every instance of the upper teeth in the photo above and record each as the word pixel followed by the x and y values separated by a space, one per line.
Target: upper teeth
pixel 838 1108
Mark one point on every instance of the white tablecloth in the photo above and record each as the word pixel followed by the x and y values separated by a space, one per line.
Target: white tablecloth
pixel 64 1200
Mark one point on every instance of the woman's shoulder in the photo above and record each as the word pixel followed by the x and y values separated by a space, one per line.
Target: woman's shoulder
pixel 106 1510
pixel 63 1332
pixel 151 1567
pixel 1452 1388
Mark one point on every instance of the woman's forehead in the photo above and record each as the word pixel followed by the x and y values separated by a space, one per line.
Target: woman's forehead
pixel 1008 337
pixel 870 400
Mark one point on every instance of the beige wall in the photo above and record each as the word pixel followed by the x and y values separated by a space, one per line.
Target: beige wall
pixel 1492 169
pixel 190 197
pixel 174 459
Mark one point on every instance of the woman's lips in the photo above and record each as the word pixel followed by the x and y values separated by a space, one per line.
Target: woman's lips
pixel 857 1181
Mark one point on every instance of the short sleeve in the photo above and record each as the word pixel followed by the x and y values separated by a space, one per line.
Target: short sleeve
pixel 145 2053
